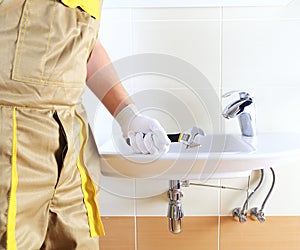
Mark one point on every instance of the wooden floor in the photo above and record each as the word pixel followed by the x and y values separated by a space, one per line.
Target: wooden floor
pixel 201 232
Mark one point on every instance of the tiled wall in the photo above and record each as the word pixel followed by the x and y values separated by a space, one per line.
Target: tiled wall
pixel 254 49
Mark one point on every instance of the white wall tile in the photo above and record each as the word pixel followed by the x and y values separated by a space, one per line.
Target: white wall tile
pixel 195 201
pixel 157 81
pixel 202 200
pixel 291 11
pixel 168 14
pixel 153 206
pixel 152 197
pixel 180 109
pixel 117 197
pixel 115 32
pixel 261 53
pixel 110 205
pixel 283 200
pixel 231 199
pixel 196 42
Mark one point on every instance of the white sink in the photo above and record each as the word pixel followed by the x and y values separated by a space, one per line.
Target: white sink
pixel 220 156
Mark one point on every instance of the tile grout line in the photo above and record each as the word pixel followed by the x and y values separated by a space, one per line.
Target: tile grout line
pixel 135 218
pixel 259 19
pixel 133 90
pixel 221 55
pixel 220 93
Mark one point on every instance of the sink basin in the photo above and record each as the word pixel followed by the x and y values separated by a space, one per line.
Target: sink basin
pixel 219 156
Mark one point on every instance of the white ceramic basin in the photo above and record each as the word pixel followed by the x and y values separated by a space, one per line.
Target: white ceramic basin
pixel 220 156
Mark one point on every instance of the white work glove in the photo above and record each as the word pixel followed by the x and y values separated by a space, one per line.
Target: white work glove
pixel 146 135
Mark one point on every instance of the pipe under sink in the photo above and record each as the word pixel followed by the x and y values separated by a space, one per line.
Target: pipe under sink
pixel 175 212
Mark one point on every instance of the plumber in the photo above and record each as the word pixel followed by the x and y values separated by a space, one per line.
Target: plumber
pixel 48 51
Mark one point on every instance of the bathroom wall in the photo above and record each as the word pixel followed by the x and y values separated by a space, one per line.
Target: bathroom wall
pixel 255 49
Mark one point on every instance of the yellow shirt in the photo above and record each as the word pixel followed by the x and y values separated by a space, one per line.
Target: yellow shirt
pixel 90 6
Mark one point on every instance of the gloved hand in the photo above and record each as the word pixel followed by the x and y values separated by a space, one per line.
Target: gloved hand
pixel 146 135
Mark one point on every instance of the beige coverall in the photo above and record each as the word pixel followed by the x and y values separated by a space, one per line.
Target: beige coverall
pixel 48 200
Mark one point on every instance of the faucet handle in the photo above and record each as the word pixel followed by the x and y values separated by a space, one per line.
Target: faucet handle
pixel 243 94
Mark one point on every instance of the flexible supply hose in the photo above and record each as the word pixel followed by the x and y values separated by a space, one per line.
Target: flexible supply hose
pixel 270 191
pixel 244 209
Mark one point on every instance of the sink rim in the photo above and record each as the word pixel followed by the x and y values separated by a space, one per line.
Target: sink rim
pixel 230 165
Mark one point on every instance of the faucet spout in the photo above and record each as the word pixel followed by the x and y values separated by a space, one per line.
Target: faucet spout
pixel 244 110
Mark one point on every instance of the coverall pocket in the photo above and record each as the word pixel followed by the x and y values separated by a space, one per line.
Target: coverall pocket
pixel 54 43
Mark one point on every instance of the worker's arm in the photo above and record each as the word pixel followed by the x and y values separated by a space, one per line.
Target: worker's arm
pixel 146 134
pixel 104 82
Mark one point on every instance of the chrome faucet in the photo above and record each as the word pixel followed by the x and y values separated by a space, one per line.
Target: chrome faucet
pixel 244 109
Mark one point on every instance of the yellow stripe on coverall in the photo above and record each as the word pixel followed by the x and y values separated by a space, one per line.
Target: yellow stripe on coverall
pixel 88 188
pixel 12 207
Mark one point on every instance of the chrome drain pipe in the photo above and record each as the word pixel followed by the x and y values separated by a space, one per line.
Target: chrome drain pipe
pixel 175 212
